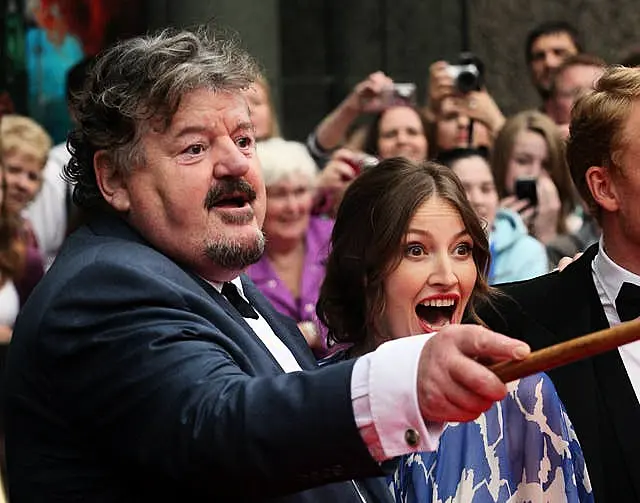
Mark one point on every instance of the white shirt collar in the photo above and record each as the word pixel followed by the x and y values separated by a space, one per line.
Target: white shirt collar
pixel 610 274
pixel 265 333
pixel 236 281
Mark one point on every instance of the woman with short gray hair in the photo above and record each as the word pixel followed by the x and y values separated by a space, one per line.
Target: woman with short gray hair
pixel 291 270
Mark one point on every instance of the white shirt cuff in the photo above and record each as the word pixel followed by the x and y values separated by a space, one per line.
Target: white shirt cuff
pixel 384 394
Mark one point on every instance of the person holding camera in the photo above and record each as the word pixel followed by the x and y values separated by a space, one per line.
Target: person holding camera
pixel 369 96
pixel 463 113
pixel 396 129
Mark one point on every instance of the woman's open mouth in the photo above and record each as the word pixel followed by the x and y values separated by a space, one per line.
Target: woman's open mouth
pixel 436 312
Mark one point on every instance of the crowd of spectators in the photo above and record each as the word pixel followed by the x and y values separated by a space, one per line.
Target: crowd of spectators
pixel 511 172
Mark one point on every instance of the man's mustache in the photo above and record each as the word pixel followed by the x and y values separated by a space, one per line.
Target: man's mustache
pixel 226 188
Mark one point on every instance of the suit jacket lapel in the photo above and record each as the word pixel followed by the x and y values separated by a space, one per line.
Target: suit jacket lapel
pixel 286 332
pixel 621 405
pixel 618 397
pixel 584 313
pixel 222 301
pixel 577 384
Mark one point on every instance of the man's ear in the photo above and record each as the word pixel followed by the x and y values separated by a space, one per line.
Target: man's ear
pixel 602 187
pixel 111 182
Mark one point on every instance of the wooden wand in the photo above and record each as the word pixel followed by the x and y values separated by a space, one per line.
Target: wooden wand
pixel 568 351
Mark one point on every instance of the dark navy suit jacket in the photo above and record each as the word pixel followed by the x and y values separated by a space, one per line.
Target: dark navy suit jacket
pixel 130 380
pixel 596 392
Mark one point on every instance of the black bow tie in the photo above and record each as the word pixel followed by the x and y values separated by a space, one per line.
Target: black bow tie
pixel 628 302
pixel 230 291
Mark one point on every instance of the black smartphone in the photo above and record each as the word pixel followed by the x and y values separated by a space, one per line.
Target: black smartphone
pixel 526 189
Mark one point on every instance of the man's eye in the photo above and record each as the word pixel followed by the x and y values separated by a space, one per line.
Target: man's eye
pixel 244 142
pixel 194 149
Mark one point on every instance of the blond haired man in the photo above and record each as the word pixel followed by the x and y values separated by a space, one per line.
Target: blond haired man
pixel 601 394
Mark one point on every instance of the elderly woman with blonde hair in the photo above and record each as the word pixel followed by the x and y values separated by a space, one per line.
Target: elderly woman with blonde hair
pixel 292 268
pixel 24 146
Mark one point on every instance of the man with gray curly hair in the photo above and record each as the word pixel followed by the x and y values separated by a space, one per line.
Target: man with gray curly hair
pixel 147 367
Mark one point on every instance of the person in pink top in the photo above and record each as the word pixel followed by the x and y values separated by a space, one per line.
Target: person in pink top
pixel 291 270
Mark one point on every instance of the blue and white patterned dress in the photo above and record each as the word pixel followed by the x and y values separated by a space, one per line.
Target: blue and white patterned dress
pixel 523 449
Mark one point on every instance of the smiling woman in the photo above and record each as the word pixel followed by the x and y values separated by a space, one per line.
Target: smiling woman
pixel 408 256
pixel 25 147
pixel 398 131
pixel 291 270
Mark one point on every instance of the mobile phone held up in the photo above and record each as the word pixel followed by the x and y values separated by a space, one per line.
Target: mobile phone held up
pixel 526 188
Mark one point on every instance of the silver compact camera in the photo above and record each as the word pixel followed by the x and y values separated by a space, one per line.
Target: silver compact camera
pixel 468 74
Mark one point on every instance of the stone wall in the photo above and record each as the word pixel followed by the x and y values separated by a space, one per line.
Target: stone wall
pixel 499 28
pixel 314 51
pixel 329 45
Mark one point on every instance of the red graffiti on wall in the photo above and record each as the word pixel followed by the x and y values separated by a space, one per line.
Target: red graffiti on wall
pixel 89 20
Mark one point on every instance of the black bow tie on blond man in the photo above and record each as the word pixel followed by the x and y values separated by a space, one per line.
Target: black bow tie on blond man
pixel 628 302
pixel 230 291
pixel 628 308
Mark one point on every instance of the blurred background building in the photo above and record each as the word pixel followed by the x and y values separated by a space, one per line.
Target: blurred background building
pixel 313 51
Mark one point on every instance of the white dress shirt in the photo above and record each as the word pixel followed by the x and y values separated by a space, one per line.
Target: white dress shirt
pixel 9 303
pixel 384 391
pixel 608 278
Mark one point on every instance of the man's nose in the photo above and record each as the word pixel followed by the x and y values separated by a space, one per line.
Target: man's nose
pixel 229 160
pixel 552 61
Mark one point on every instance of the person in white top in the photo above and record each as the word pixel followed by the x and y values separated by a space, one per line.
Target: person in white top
pixel 10 261
pixel 132 377
pixel 598 290
pixel 50 213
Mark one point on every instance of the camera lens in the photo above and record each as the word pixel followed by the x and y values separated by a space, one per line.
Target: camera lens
pixel 467 81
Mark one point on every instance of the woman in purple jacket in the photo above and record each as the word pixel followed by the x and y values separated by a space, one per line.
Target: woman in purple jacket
pixel 292 268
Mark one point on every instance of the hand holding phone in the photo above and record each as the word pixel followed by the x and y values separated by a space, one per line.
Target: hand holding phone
pixel 526 188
